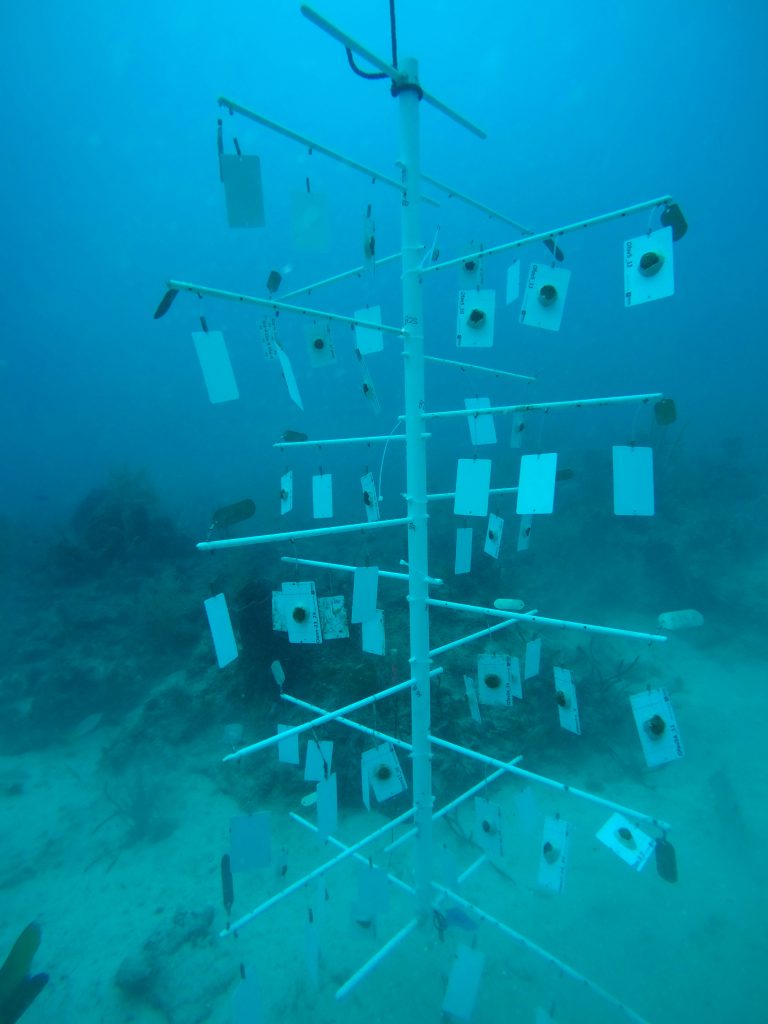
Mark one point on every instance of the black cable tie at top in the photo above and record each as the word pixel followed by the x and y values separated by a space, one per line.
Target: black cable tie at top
pixel 398 87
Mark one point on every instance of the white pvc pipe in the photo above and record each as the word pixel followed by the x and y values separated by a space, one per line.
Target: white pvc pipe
pixel 355 272
pixel 365 729
pixel 330 716
pixel 445 495
pixel 350 851
pixel 540 620
pixel 551 783
pixel 555 233
pixel 467 795
pixel 309 443
pixel 202 290
pixel 433 581
pixel 480 369
pixel 276 538
pixel 574 403
pixel 539 951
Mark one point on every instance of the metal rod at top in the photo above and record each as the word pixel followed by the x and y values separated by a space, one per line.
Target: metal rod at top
pixel 397 76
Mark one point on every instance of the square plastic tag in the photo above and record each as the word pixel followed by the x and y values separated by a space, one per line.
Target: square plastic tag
pixel 657 727
pixel 633 481
pixel 214 362
pixel 322 496
pixel 493 535
pixel 627 841
pixel 649 267
pixel 383 771
pixel 488 827
pixel 536 487
pixel 463 560
pixel 289 377
pixel 513 282
pixel 544 296
pixel 309 216
pixel 473 481
pixel 220 624
pixel 270 342
pixel 365 592
pixel 333 617
pixel 475 317
pixel 373 634
pixel 481 427
pixel 524 533
pixel 370 498
pixel 249 842
pixel 553 854
pixel 317 765
pixel 470 688
pixel 241 176
pixel 368 339
pixel 320 346
pixel 565 697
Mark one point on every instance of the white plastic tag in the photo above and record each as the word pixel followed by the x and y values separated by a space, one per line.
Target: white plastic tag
pixel 317 765
pixel 300 613
pixel 368 339
pixel 463 983
pixel 524 533
pixel 633 481
pixel 627 841
pixel 250 846
pixel 214 362
pixel 288 749
pixel 481 427
pixel 493 535
pixel 463 561
pixel 333 617
pixel 247 1004
pixel 286 492
pixel 649 267
pixel 536 487
pixel 518 429
pixel 370 498
pixel 220 624
pixel 270 343
pixel 565 697
pixel 241 176
pixel 532 658
pixel 487 832
pixel 373 634
pixel 309 216
pixel 553 854
pixel 382 768
pixel 544 296
pixel 322 496
pixel 369 391
pixel 327 807
pixel 513 282
pixel 470 688
pixel 289 378
pixel 498 679
pixel 473 481
pixel 657 727
pixel 475 318
pixel 320 347
pixel 364 593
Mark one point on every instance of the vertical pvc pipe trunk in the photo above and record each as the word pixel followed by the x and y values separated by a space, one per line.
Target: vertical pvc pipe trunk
pixel 416 461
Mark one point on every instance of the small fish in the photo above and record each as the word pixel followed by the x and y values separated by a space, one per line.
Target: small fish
pixel 293 435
